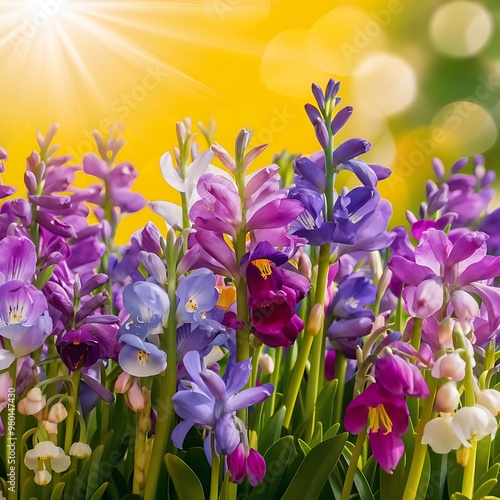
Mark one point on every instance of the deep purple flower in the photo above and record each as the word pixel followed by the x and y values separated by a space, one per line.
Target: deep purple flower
pixel 273 293
pixel 207 402
pixel 78 348
pixel 387 417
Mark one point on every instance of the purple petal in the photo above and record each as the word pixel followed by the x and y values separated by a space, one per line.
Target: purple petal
pixel 227 436
pixel 277 213
pixel 363 172
pixel 407 271
pixel 250 397
pixel 341 118
pixel 195 407
pixel 215 385
pixel 98 388
pixel 93 165
pixel 488 267
pixel 19 259
pixel 180 431
pixel 238 377
pixel 466 246
pixel 387 449
pixel 349 150
pixel 256 467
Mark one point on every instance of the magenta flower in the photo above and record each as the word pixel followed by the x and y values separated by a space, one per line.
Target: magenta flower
pixel 387 417
pixel 273 294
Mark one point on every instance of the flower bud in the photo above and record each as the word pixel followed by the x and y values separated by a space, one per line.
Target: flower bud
pixel 315 321
pixel 57 413
pixel 466 308
pixel 266 364
pixel 80 450
pixel 426 299
pixel 122 384
pixel 490 399
pixel 33 403
pixel 445 331
pixel 447 398
pixel 236 464
pixel 50 427
pixel 256 467
pixel 451 366
pixel 43 477
pixel 135 398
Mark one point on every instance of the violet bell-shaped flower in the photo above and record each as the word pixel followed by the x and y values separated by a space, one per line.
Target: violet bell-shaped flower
pixel 206 402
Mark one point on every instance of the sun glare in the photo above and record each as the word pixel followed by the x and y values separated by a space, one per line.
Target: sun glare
pixel 81 51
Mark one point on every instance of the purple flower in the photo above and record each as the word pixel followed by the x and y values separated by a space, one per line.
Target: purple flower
pixel 78 348
pixel 118 182
pixel 246 462
pixel 141 358
pixel 351 320
pixel 387 417
pixel 18 259
pixel 397 375
pixel 445 265
pixel 24 320
pixel 273 294
pixel 207 402
pixel 196 296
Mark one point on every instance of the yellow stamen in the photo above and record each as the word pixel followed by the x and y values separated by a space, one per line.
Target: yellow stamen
pixel 191 305
pixel 264 266
pixel 378 418
pixel 142 356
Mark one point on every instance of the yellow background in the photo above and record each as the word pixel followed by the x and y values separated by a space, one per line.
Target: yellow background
pixel 148 64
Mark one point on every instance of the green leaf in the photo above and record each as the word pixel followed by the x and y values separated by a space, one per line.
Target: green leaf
pixel 93 477
pixel 315 469
pixel 278 458
pixel 484 489
pixel 57 492
pixel 99 492
pixel 360 481
pixel 455 474
pixel 304 446
pixel 196 459
pixel 70 480
pixel 491 473
pixel 393 485
pixel 44 276
pixel 272 431
pixel 29 488
pixel 459 496
pixel 437 481
pixel 331 432
pixel 187 485
pixel 482 458
pixel 318 435
pixel 325 404
pixel 369 470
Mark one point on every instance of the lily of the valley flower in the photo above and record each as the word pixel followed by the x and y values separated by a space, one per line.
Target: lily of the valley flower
pixel 46 455
pixel 33 403
pixel 440 435
pixel 80 450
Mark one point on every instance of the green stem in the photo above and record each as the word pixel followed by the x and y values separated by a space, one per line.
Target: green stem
pixel 317 351
pixel 470 470
pixel 70 420
pixel 353 465
pixel 420 450
pixel 139 451
pixel 290 396
pixel 470 399
pixel 255 365
pixel 165 417
pixel 11 432
pixel 270 404
pixel 416 332
pixel 340 371
pixel 214 480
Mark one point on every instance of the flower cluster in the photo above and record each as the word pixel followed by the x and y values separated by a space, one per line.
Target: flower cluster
pixel 276 317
